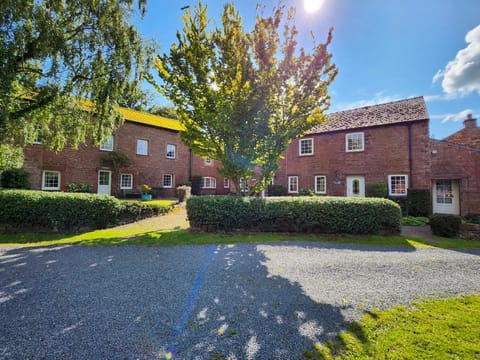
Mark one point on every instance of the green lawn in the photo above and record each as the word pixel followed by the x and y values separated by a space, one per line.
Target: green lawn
pixel 136 234
pixel 430 329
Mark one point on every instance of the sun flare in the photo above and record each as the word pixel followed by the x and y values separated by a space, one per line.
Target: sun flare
pixel 312 6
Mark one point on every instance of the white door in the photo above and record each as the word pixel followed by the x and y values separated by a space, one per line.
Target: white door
pixel 104 182
pixel 446 197
pixel 355 186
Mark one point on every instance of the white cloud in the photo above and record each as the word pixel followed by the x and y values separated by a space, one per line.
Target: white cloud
pixel 455 117
pixel 462 75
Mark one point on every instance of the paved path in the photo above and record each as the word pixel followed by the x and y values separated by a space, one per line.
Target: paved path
pixel 246 301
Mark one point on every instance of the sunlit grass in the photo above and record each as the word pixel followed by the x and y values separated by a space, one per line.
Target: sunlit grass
pixel 430 329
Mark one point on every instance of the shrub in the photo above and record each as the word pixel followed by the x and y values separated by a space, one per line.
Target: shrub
pixel 15 179
pixel 79 188
pixel 418 202
pixel 306 192
pixel 402 202
pixel 445 225
pixel 22 210
pixel 183 192
pixel 376 190
pixel 472 218
pixel 293 214
pixel 276 190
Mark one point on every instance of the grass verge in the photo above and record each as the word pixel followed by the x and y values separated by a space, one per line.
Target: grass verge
pixel 136 234
pixel 430 329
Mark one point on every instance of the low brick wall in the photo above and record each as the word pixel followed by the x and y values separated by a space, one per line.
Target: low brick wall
pixel 470 231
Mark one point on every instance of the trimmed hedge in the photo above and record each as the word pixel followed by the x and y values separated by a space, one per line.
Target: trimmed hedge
pixel 294 214
pixel 79 188
pixel 445 225
pixel 379 190
pixel 15 179
pixel 22 210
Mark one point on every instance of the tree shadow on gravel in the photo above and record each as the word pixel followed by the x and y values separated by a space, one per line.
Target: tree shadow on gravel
pixel 245 312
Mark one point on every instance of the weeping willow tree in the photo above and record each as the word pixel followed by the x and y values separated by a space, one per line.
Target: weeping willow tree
pixel 242 96
pixel 54 55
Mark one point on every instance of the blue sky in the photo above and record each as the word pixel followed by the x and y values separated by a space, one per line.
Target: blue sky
pixel 385 50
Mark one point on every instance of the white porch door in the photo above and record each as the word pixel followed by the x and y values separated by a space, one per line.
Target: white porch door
pixel 355 186
pixel 446 197
pixel 104 182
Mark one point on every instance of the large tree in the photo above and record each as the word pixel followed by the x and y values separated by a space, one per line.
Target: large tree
pixel 59 58
pixel 242 96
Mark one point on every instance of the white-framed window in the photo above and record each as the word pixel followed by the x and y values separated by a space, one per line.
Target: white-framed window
pixel 397 185
pixel 226 183
pixel 305 147
pixel 142 147
pixel 126 181
pixel 354 142
pixel 108 145
pixel 168 181
pixel 38 137
pixel 208 161
pixel 244 185
pixel 321 184
pixel 293 184
pixel 209 182
pixel 171 151
pixel 51 180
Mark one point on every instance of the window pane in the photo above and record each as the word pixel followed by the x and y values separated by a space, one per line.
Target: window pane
pixel 398 185
pixel 107 146
pixel 142 147
pixel 51 180
pixel 168 181
pixel 293 184
pixel 444 192
pixel 126 181
pixel 226 183
pixel 171 151
pixel 320 184
pixel 306 146
pixel 355 142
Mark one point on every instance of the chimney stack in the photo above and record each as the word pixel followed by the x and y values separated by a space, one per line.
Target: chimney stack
pixel 470 122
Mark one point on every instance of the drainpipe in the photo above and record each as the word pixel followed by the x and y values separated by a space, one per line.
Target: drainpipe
pixel 190 165
pixel 410 160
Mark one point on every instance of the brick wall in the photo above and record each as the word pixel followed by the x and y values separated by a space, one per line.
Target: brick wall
pixel 201 168
pixel 386 152
pixel 458 162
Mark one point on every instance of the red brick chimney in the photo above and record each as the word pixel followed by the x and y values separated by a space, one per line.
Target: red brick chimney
pixel 470 122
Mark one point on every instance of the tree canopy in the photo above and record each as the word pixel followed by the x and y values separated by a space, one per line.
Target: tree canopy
pixel 242 96
pixel 59 58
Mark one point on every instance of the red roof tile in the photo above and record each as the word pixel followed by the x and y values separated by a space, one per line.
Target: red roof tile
pixel 401 111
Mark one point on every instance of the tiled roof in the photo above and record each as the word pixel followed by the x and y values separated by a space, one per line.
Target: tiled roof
pixel 150 119
pixel 401 111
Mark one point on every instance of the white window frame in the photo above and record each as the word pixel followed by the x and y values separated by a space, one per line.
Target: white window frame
pixel 390 190
pixel 319 191
pixel 172 183
pixel 209 182
pixel 140 148
pixel 107 146
pixel 208 161
pixel 59 174
pixel 362 137
pixel 171 148
pixel 290 183
pixel 226 183
pixel 123 187
pixel 300 142
pixel 244 185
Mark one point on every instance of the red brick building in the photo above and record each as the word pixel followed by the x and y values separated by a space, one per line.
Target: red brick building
pixel 387 143
pixel 158 159
pixel 456 171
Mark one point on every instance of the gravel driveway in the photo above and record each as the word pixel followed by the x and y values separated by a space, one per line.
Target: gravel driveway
pixel 247 301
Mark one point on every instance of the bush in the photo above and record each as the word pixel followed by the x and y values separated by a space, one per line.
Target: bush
pixel 22 210
pixel 15 179
pixel 79 188
pixel 418 202
pixel 306 192
pixel 276 190
pixel 402 202
pixel 294 214
pixel 472 218
pixel 379 190
pixel 445 225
